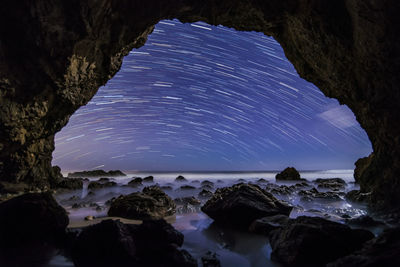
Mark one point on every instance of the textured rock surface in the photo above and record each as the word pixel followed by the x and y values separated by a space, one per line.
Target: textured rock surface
pixel 55 55
pixel 313 241
pixel 152 203
pixel 239 205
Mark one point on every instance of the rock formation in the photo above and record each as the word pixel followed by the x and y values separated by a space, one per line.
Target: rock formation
pixel 55 55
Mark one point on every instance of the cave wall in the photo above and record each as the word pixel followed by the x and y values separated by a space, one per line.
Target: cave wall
pixel 55 54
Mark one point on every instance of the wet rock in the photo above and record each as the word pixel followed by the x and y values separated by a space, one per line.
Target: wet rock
pixel 241 204
pixel 210 259
pixel 180 178
pixel 187 187
pixel 108 243
pixel 262 180
pixel 112 243
pixel 358 196
pixel 207 187
pixel 265 225
pixel 135 182
pixel 151 203
pixel 31 218
pixel 288 174
pixel 282 190
pixel 148 179
pixel 334 184
pixel 241 180
pixel 70 183
pixel 205 193
pixel 95 173
pixel 187 200
pixel 380 251
pixel 313 241
pixel 206 182
pixel 96 185
pixel 308 195
pixel 103 180
pixel 364 221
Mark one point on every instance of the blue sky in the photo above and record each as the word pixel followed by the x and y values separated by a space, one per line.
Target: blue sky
pixel 200 97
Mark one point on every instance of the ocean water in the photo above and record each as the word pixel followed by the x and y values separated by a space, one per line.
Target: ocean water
pixel 234 248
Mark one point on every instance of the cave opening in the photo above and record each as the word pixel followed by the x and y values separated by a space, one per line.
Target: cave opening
pixel 198 97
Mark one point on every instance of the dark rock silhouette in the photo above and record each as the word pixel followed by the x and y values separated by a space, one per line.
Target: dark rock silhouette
pixel 288 174
pixel 241 204
pixel 314 241
pixel 96 173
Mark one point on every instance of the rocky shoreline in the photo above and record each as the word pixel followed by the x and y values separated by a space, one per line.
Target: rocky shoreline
pixel 139 231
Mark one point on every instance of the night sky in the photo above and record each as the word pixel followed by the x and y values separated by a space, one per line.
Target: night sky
pixel 205 98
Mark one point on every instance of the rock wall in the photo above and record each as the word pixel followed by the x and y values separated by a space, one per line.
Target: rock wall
pixel 55 55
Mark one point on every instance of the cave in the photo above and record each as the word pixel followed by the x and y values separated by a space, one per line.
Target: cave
pixel 55 55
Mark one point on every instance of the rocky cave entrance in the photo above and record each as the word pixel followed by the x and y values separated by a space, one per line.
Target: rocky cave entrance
pixel 198 97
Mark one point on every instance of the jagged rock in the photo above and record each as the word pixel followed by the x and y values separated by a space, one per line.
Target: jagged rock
pixel 180 178
pixel 334 184
pixel 152 203
pixel 314 193
pixel 204 193
pixel 31 218
pixel 187 200
pixel 380 251
pixel 112 243
pixel 288 174
pixel 148 179
pixel 209 259
pixel 313 241
pixel 97 185
pixel 241 204
pixel 282 190
pixel 70 183
pixel 265 225
pixel 135 182
pixel 95 173
pixel 358 196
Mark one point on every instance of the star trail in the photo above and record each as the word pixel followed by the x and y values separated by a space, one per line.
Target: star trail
pixel 201 97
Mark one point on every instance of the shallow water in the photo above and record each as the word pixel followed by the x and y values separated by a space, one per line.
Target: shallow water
pixel 234 248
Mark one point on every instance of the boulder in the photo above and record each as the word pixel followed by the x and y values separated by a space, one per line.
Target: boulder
pixel 103 180
pixel 380 251
pixel 364 221
pixel 151 203
pixel 288 174
pixel 206 182
pixel 98 185
pixel 314 193
pixel 282 190
pixel 265 225
pixel 239 205
pixel 180 178
pixel 135 182
pixel 70 183
pixel 31 218
pixel 314 241
pixel 112 243
pixel 148 179
pixel 334 184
